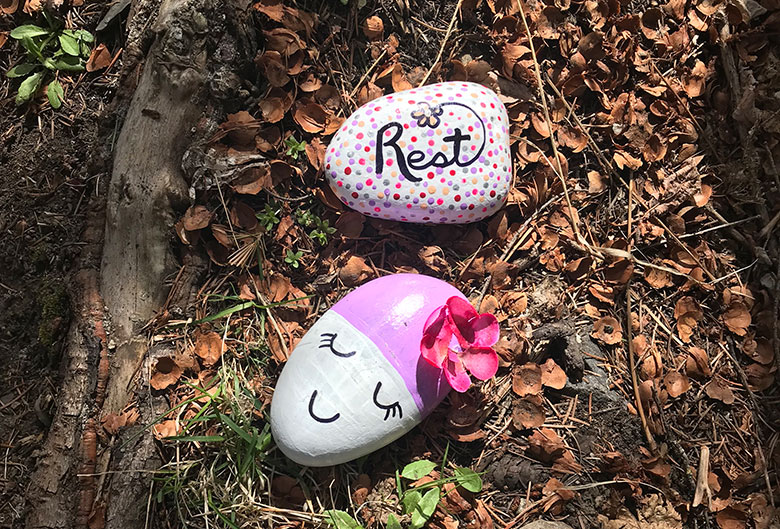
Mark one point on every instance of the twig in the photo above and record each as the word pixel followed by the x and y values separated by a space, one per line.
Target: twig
pixel 443 44
pixel 702 479
pixel 632 366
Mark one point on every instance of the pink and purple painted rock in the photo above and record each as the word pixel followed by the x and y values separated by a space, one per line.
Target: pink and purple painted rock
pixel 357 381
pixel 436 154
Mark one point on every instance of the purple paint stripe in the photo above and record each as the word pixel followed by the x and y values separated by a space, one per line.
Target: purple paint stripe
pixel 391 311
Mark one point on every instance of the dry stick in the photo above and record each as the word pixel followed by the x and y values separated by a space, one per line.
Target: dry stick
pixel 632 366
pixel 443 43
pixel 702 483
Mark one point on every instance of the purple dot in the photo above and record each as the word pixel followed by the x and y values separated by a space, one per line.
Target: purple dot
pixel 372 143
pixel 351 161
pixel 430 132
pixel 430 201
pixel 413 124
pixel 333 174
pixel 481 159
pixel 429 151
pixel 410 147
pixel 387 204
pixel 359 186
pixel 439 170
pixel 416 200
pixel 473 170
pixel 370 169
pixel 449 131
pixel 372 202
pixel 354 123
pixel 358 146
pixel 463 206
pixel 482 192
pixel 464 157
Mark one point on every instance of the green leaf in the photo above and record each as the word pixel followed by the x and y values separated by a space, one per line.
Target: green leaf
pixel 66 64
pixel 410 500
pixel 29 31
pixel 392 522
pixel 70 44
pixel 20 70
pixel 468 479
pixel 425 508
pixel 228 311
pixel 55 94
pixel 33 47
pixel 198 438
pixel 28 88
pixel 80 34
pixel 341 520
pixel 418 469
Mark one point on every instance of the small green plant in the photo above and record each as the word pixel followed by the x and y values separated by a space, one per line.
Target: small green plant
pixel 322 231
pixel 305 217
pixel 294 147
pixel 49 49
pixel 269 216
pixel 293 258
pixel 419 502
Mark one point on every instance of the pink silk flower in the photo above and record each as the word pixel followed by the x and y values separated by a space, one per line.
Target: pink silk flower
pixel 458 340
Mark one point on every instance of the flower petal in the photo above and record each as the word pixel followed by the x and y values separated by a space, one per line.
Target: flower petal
pixel 461 313
pixel 436 337
pixel 486 330
pixel 482 362
pixel 456 375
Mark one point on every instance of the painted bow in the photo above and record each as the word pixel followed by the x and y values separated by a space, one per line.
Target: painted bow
pixel 458 340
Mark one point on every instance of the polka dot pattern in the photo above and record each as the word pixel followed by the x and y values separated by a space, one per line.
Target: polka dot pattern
pixel 437 154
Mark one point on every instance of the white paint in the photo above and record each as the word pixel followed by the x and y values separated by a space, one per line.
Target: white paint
pixel 344 386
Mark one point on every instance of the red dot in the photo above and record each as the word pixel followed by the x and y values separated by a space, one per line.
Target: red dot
pixel 354 195
pixel 348 170
pixel 426 218
pixel 431 142
pixel 362 161
pixel 367 148
pixel 396 196
pixel 440 202
pixel 414 139
pixel 471 128
pixel 452 172
pixel 369 182
pixel 422 195
pixel 495 166
pixel 389 163
pixel 493 193
pixel 457 198
pixel 408 206
pixel 406 126
pixel 443 180
pixel 327 166
pixel 398 185
pixel 340 183
pixel 359 135
pixel 430 175
pixel 471 206
pixel 492 105
pixel 377 210
pixel 438 95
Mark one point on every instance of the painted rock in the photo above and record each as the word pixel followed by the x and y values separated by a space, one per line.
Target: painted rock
pixel 357 381
pixel 436 154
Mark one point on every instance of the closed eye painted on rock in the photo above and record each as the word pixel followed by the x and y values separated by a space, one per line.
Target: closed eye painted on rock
pixel 328 341
pixel 314 416
pixel 390 409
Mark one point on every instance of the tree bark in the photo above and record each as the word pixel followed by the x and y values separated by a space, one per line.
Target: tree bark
pixel 146 189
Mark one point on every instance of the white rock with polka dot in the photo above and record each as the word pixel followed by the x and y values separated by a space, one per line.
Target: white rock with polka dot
pixel 436 154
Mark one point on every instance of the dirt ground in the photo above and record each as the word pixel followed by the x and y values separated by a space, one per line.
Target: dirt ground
pixel 667 257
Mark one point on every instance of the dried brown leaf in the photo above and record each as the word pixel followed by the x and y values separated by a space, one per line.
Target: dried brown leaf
pixel 311 117
pixel 676 383
pixel 718 389
pixel 552 375
pixel 737 318
pixel 528 412
pixel 399 80
pixel 527 380
pixel 607 330
pixel 355 271
pixel 165 372
pixel 209 347
pixel 166 428
pixel 196 218
pixel 99 58
pixel 373 28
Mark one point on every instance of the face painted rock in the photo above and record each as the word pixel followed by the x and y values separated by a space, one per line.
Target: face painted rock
pixel 357 381
pixel 436 154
